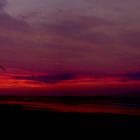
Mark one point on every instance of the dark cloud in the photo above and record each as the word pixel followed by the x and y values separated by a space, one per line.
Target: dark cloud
pixel 53 78
pixel 133 76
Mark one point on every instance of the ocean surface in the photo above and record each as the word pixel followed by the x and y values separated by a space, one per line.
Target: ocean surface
pixel 107 105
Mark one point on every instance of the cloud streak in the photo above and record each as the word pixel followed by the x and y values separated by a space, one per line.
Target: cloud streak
pixel 49 79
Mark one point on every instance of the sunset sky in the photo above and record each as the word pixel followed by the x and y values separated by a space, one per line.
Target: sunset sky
pixel 70 47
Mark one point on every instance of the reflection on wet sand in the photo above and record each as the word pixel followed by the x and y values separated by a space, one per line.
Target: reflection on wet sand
pixel 76 104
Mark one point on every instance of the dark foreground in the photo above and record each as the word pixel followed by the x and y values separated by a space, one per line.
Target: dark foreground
pixel 17 122
pixel 51 115
pixel 16 115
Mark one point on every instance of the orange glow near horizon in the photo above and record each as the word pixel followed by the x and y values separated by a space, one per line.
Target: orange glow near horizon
pixel 79 84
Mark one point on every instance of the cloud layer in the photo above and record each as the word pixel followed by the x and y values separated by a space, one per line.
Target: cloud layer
pixel 84 37
pixel 53 78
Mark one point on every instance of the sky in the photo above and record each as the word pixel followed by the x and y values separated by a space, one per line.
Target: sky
pixel 77 47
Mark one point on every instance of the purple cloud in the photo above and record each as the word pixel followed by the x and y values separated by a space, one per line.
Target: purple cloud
pixel 53 78
pixel 133 76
